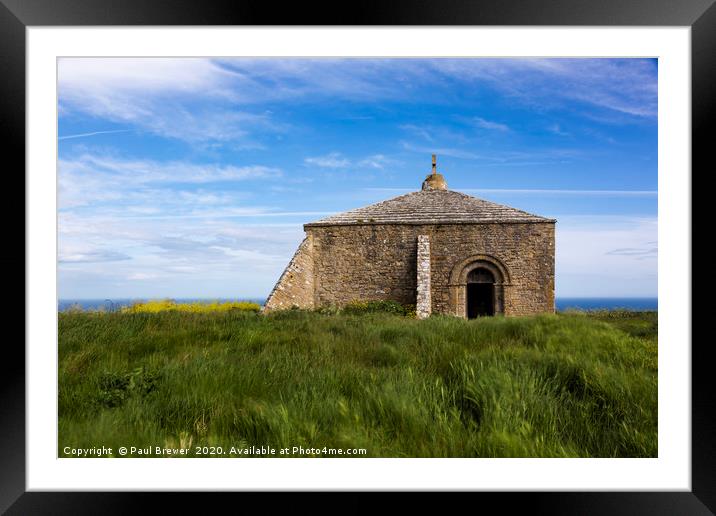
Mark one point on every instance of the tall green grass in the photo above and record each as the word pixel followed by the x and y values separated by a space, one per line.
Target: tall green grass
pixel 567 385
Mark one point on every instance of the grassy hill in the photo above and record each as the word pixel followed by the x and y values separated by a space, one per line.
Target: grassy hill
pixel 565 385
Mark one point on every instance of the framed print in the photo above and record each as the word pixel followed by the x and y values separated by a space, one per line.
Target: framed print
pixel 134 119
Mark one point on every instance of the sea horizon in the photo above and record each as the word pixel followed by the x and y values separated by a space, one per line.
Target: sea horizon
pixel 561 303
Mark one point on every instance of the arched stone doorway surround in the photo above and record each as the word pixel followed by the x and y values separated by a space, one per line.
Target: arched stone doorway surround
pixel 458 282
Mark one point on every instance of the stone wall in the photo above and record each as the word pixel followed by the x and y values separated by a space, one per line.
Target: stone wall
pixel 295 286
pixel 424 303
pixel 379 262
pixel 364 262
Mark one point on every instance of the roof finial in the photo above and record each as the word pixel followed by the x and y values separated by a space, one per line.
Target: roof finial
pixel 434 181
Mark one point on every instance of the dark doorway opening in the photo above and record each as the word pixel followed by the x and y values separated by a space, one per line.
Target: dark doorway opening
pixel 479 300
pixel 480 293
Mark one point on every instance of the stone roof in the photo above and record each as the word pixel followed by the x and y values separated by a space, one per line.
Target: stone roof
pixel 431 207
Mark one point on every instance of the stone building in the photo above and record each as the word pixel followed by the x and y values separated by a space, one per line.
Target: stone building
pixel 441 250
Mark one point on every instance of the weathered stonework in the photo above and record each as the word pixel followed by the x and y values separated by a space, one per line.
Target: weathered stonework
pixel 295 286
pixel 425 249
pixel 423 305
pixel 379 262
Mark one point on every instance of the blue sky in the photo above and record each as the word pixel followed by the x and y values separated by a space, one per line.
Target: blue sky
pixel 193 177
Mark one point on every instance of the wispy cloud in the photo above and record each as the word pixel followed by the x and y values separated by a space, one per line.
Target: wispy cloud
pixel 182 98
pixel 199 257
pixel 117 171
pixel 336 160
pixel 596 254
pixel 487 124
pixel 141 276
pixel 377 161
pixel 420 131
pixel 625 86
pixel 638 252
pixel 84 135
pixel 556 129
pixel 331 160
pixel 230 213
pixel 90 256
pixel 96 76
pixel 141 187
pixel 495 158
pixel 536 191
pixel 217 101
pixel 444 151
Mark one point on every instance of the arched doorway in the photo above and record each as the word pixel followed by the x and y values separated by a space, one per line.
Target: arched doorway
pixel 480 293
pixel 479 285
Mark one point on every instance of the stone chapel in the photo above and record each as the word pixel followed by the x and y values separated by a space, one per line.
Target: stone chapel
pixel 443 251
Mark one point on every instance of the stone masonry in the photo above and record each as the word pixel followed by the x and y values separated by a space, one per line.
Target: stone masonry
pixel 295 286
pixel 423 305
pixel 420 249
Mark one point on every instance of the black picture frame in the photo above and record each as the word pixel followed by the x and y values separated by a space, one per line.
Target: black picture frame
pixel 17 15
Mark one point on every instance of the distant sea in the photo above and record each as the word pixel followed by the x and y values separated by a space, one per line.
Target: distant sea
pixel 607 303
pixel 563 303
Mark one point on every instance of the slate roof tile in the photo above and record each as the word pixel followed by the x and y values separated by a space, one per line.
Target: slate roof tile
pixel 430 207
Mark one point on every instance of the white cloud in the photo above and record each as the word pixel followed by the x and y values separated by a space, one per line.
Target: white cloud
pixel 445 151
pixel 498 158
pixel 96 76
pixel 67 255
pixel 213 101
pixel 141 276
pixel 92 179
pixel 624 86
pixel 420 131
pixel 586 261
pixel 95 133
pixel 182 98
pixel 487 124
pixel 168 229
pixel 331 160
pixel 378 161
pixel 190 259
pixel 337 160
pixel 647 251
pixel 537 191
pixel 556 129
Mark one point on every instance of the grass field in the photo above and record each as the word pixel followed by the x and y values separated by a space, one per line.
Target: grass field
pixel 565 385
